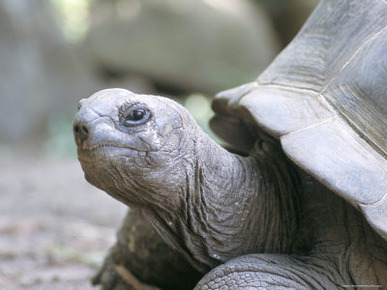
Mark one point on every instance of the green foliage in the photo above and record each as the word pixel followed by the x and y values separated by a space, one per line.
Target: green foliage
pixel 60 141
pixel 74 16
pixel 200 108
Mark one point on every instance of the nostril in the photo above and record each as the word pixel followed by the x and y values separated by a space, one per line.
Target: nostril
pixel 85 130
pixel 81 132
pixel 76 129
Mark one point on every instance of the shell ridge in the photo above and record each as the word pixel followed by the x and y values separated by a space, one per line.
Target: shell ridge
pixel 374 204
pixel 288 87
pixel 364 44
pixel 310 126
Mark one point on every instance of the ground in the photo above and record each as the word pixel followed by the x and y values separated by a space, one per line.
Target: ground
pixel 55 228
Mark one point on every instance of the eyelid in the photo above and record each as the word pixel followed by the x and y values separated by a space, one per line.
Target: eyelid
pixel 129 108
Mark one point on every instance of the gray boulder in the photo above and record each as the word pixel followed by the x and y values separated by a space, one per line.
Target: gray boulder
pixel 196 45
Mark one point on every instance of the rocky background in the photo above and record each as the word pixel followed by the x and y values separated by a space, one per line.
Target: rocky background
pixel 54 227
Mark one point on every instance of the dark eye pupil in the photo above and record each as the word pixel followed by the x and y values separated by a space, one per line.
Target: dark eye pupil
pixel 138 114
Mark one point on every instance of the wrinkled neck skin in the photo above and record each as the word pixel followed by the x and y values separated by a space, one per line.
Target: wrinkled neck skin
pixel 205 202
pixel 234 205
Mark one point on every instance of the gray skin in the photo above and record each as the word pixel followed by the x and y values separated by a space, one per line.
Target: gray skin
pixel 216 208
pixel 313 218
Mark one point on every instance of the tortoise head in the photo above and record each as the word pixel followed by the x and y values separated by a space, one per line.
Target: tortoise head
pixel 128 144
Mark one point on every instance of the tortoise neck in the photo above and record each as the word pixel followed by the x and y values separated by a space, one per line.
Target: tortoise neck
pixel 236 205
pixel 229 205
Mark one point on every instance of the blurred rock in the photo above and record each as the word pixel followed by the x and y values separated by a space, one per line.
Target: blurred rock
pixel 41 75
pixel 200 45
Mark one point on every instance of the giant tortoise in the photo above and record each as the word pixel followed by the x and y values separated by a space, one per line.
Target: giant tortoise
pixel 299 198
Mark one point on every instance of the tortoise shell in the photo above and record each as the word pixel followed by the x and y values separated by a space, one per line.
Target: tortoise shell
pixel 325 98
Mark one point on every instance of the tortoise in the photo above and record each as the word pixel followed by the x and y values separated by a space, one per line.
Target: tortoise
pixel 299 197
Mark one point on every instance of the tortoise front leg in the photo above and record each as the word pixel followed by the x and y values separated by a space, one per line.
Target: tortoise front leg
pixel 274 271
pixel 141 252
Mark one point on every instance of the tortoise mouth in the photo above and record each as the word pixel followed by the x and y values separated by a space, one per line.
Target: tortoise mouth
pixel 103 152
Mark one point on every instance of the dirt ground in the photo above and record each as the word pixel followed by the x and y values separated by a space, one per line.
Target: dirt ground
pixel 55 228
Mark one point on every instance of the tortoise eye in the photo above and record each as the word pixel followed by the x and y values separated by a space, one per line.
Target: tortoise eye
pixel 135 115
